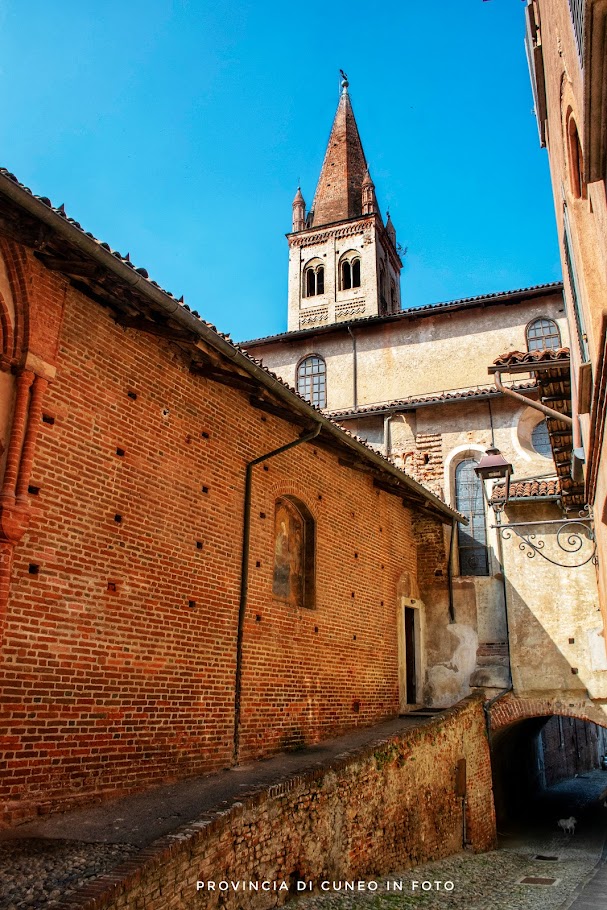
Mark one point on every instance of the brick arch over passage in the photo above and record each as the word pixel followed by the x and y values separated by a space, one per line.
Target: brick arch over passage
pixel 511 709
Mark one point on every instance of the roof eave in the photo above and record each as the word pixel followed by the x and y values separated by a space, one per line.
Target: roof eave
pixel 90 247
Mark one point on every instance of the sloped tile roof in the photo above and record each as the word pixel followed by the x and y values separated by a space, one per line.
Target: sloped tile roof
pixel 179 304
pixel 548 488
pixel 421 400
pixel 521 358
pixel 429 309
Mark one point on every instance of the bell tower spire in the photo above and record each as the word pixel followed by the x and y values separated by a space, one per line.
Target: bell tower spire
pixel 339 189
pixel 343 261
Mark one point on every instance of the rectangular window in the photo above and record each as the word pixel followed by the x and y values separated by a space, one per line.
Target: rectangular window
pixel 576 8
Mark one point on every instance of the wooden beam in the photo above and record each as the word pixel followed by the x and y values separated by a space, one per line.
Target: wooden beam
pixel 80 268
pixel 356 465
pixel 262 404
pixel 141 324
pixel 402 492
pixel 225 377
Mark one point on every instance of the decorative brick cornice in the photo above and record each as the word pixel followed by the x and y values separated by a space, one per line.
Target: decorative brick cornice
pixel 318 236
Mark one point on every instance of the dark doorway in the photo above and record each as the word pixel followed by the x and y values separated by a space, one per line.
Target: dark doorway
pixel 410 656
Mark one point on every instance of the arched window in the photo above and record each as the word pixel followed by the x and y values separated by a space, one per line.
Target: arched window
pixel 346 275
pixel 471 538
pixel 543 333
pixel 312 380
pixel 314 279
pixel 393 296
pixel 294 544
pixel 349 271
pixel 540 440
pixel 576 160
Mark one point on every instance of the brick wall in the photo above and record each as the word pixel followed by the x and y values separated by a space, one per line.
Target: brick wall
pixel 427 464
pixel 119 646
pixel 569 747
pixel 388 807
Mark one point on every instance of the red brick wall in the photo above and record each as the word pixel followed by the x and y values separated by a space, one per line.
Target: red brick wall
pixel 570 746
pixel 388 807
pixel 118 659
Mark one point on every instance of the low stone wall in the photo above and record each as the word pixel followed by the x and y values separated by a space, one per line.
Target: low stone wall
pixel 387 806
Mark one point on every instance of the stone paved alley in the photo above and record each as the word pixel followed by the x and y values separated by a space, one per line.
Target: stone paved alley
pixel 493 881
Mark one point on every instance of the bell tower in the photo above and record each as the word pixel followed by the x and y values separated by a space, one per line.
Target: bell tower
pixel 343 259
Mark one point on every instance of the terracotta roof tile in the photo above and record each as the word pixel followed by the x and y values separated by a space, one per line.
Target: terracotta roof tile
pixel 419 401
pixel 548 488
pixel 545 355
pixel 428 309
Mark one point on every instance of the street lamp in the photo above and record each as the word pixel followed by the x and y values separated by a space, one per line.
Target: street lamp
pixel 493 466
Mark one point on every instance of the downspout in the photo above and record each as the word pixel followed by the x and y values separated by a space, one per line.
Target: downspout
pixel 387 442
pixel 450 569
pixel 244 572
pixel 354 369
pixel 549 412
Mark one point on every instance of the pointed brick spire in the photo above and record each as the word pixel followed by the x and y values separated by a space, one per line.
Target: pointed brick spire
pixel 369 202
pixel 299 211
pixel 339 190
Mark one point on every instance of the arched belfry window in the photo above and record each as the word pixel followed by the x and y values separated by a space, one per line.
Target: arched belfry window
pixel 543 333
pixel 293 580
pixel 314 279
pixel 471 538
pixel 312 380
pixel 349 271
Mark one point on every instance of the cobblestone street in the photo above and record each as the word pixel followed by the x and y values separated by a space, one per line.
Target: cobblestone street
pixel 494 881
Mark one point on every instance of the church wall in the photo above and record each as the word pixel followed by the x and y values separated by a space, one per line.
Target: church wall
pixel 119 641
pixel 409 356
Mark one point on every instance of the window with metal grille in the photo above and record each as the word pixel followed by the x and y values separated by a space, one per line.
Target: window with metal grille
pixel 543 333
pixel 576 8
pixel 540 440
pixel 312 380
pixel 471 538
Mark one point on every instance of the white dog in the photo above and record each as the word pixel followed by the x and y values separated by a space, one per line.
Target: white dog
pixel 567 825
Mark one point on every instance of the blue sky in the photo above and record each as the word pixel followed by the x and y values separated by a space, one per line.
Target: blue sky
pixel 178 131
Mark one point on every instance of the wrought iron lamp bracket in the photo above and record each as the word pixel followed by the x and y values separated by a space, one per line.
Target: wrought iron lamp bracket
pixel 571 536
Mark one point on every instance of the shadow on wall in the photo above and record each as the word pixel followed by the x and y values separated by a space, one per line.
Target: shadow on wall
pixel 556 643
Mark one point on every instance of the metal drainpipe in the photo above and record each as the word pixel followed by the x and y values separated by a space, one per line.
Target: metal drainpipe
pixel 549 412
pixel 500 547
pixel 387 420
pixel 450 569
pixel 354 369
pixel 244 572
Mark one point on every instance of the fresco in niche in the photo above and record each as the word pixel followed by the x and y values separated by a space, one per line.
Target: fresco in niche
pixel 289 535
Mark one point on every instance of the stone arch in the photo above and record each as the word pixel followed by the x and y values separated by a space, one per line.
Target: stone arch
pixel 511 710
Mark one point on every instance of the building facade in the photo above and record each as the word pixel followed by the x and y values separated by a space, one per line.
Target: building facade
pixel 567 52
pixel 415 384
pixel 197 566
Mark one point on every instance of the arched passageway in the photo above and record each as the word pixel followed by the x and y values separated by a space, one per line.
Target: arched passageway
pixel 532 760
